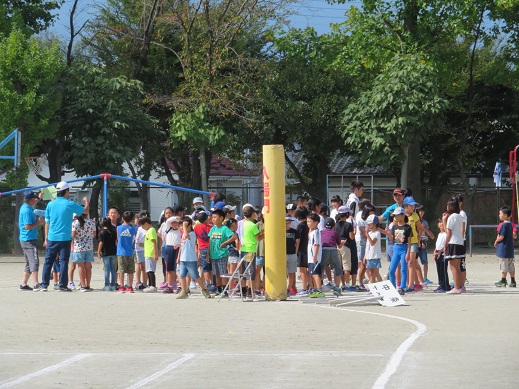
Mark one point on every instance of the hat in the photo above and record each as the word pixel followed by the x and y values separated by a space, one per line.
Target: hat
pixel 173 219
pixel 344 209
pixel 372 219
pixel 329 223
pixel 290 218
pixel 247 205
pixel 398 191
pixel 291 207
pixel 63 185
pixel 200 208
pixel 29 195
pixel 229 208
pixel 398 211
pixel 198 200
pixel 409 201
pixel 219 205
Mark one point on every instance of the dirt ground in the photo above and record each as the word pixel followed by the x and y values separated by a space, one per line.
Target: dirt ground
pixel 112 340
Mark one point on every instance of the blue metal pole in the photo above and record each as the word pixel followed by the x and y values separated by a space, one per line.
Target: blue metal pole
pixel 162 185
pixel 105 195
pixel 46 185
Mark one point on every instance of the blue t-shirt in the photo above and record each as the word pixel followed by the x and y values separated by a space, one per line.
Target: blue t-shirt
pixel 505 248
pixel 389 210
pixel 59 215
pixel 125 234
pixel 27 216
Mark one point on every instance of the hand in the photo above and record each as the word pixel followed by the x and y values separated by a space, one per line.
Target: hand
pixel 495 245
pixel 45 243
pixel 178 261
pixel 85 199
pixel 156 258
pixel 222 246
pixel 99 255
pixel 407 257
pixel 315 260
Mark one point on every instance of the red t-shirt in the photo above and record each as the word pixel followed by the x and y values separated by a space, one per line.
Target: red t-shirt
pixel 514 228
pixel 202 235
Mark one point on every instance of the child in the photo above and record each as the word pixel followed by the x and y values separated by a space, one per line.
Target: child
pixel 233 248
pixel 454 248
pixel 249 244
pixel 331 242
pixel 125 235
pixel 188 260
pixel 400 234
pixel 349 261
pixel 422 245
pixel 260 252
pixel 161 234
pixel 83 234
pixel 302 253
pixel 505 248
pixel 314 254
pixel 107 251
pixel 416 281
pixel 219 237
pixel 201 230
pixel 373 250
pixel 150 253
pixel 172 240
pixel 314 206
pixel 140 266
pixel 292 246
pixel 441 263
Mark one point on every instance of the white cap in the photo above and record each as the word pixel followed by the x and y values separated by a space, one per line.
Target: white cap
pixel 198 200
pixel 248 205
pixel 63 185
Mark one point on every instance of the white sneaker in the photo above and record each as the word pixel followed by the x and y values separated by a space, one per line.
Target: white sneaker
pixel 150 289
pixel 192 285
pixel 71 285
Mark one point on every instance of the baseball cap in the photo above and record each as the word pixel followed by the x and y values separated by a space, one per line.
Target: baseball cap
pixel 291 207
pixel 63 185
pixel 398 191
pixel 29 195
pixel 329 223
pixel 198 200
pixel 344 209
pixel 290 218
pixel 409 201
pixel 247 205
pixel 173 219
pixel 372 219
pixel 229 208
pixel 219 205
pixel 398 211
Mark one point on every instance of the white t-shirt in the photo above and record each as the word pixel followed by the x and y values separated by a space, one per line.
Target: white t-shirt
pixel 353 203
pixel 139 238
pixel 374 252
pixel 188 252
pixel 360 223
pixel 170 236
pixel 314 237
pixel 320 226
pixel 334 213
pixel 464 216
pixel 455 224
pixel 440 241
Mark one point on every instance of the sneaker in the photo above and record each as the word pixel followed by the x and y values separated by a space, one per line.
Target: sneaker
pixel 177 289
pixel 337 292
pixel 37 288
pixel 168 290
pixel 439 290
pixel 463 290
pixel 81 289
pixel 360 288
pixel 42 289
pixel 401 292
pixel 302 292
pixel 113 288
pixel 452 284
pixel 211 288
pixel 257 293
pixel 351 289
pixel 182 295
pixel 64 289
pixel 25 287
pixel 206 293
pixel 316 294
pixel 56 287
pixel 164 285
pixel 386 277
pixel 453 291
pixel 418 288
pixel 427 281
pixel 72 286
pixel 142 286
pixel 292 291
pixel 192 285
pixel 129 289
pixel 138 285
pixel 326 288
pixel 150 289
pixel 121 290
pixel 409 290
pixel 501 284
pixel 106 289
pixel 512 284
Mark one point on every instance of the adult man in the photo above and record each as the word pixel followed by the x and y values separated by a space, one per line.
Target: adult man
pixel 357 188
pixel 58 234
pixel 29 224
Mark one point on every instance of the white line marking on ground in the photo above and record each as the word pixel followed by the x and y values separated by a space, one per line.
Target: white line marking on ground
pixel 398 355
pixel 50 369
pixel 160 373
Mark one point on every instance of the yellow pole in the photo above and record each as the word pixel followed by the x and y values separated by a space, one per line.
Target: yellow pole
pixel 274 213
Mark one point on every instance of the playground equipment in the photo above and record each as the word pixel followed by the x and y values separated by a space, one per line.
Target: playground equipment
pixel 16 135
pixel 513 182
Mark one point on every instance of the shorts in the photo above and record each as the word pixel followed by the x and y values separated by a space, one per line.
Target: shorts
pixel 373 263
pixel 454 251
pixel 315 268
pixel 219 265
pixel 206 266
pixel 414 247
pixel 163 250
pixel 260 261
pixel 151 265
pixel 361 249
pixel 189 267
pixel 252 268
pixel 171 258
pixel 506 265
pixel 345 257
pixel 302 259
pixel 291 263
pixel 422 254
pixel 330 257
pixel 125 264
pixel 139 256
pixel 233 259
pixel 82 256
pixel 30 252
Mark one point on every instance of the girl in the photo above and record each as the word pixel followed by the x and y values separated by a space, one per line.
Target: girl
pixel 172 238
pixel 367 209
pixel 83 234
pixel 415 271
pixel 400 234
pixel 454 248
pixel 233 248
pixel 161 235
pixel 441 263
pixel 422 245
pixel 106 250
pixel 140 266
pixel 373 250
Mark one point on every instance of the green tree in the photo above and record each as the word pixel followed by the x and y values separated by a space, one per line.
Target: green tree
pixel 31 16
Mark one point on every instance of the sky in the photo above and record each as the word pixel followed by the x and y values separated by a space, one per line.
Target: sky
pixel 310 13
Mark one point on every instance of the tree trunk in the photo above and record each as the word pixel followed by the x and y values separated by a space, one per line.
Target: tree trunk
pixel 414 168
pixel 405 163
pixel 203 172
pixel 94 199
pixel 196 180
pixel 17 249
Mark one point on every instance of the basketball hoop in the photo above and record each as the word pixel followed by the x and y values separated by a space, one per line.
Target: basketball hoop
pixel 35 164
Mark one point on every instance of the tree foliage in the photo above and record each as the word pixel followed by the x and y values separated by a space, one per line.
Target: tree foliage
pixel 30 16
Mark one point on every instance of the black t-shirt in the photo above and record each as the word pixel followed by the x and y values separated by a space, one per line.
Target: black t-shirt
pixel 344 228
pixel 291 236
pixel 302 230
pixel 401 234
pixel 108 238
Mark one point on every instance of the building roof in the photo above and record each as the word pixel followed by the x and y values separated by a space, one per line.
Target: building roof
pixel 341 165
pixel 223 166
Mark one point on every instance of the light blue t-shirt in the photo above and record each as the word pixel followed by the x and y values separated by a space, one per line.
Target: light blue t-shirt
pixel 389 210
pixel 125 235
pixel 59 214
pixel 27 216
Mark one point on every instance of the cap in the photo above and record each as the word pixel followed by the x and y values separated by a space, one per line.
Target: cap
pixel 290 218
pixel 198 200
pixel 229 208
pixel 173 219
pixel 329 223
pixel 29 195
pixel 219 205
pixel 63 185
pixel 409 201
pixel 344 209
pixel 200 208
pixel 372 219
pixel 398 211
pixel 291 207
pixel 247 205
pixel 398 191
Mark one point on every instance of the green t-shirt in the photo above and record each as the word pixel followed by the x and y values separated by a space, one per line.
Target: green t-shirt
pixel 149 249
pixel 248 238
pixel 217 236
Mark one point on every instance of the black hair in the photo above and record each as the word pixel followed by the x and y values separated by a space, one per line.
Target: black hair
pixel 457 197
pixel 61 193
pixel 81 220
pixel 366 210
pixel 363 203
pixel 313 203
pixel 202 216
pixel 301 213
pixel 453 207
pixel 143 213
pixel 178 209
pixel 324 209
pixel 301 199
pixel 219 197
pixel 128 216
pixel 336 199
pixel 506 210
pixel 408 192
pixel 356 185
pixel 247 211
pixel 106 222
pixel 218 212
pixel 339 216
pixel 315 217
pixel 144 220
pixel 114 207
pixel 230 222
pixel 188 220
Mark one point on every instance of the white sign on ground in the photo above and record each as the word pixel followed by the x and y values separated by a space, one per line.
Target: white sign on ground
pixel 386 293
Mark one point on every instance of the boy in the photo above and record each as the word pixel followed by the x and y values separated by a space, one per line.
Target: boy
pixel 505 248
pixel 251 235
pixel 125 235
pixel 202 229
pixel 357 189
pixel 150 253
pixel 219 237
pixel 314 254
pixel 302 252
pixel 292 246
pixel 331 243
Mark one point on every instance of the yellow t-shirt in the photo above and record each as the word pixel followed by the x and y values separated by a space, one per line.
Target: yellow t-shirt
pixel 412 222
pixel 149 247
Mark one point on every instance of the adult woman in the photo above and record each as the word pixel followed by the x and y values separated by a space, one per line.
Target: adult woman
pixel 83 234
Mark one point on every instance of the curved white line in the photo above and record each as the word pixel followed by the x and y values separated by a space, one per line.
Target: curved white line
pixel 398 355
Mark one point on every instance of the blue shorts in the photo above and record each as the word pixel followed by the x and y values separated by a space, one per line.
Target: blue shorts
pixel 163 250
pixel 171 258
pixel 82 256
pixel 206 266
pixel 260 261
pixel 139 255
pixel 190 267
pixel 422 254
pixel 373 263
